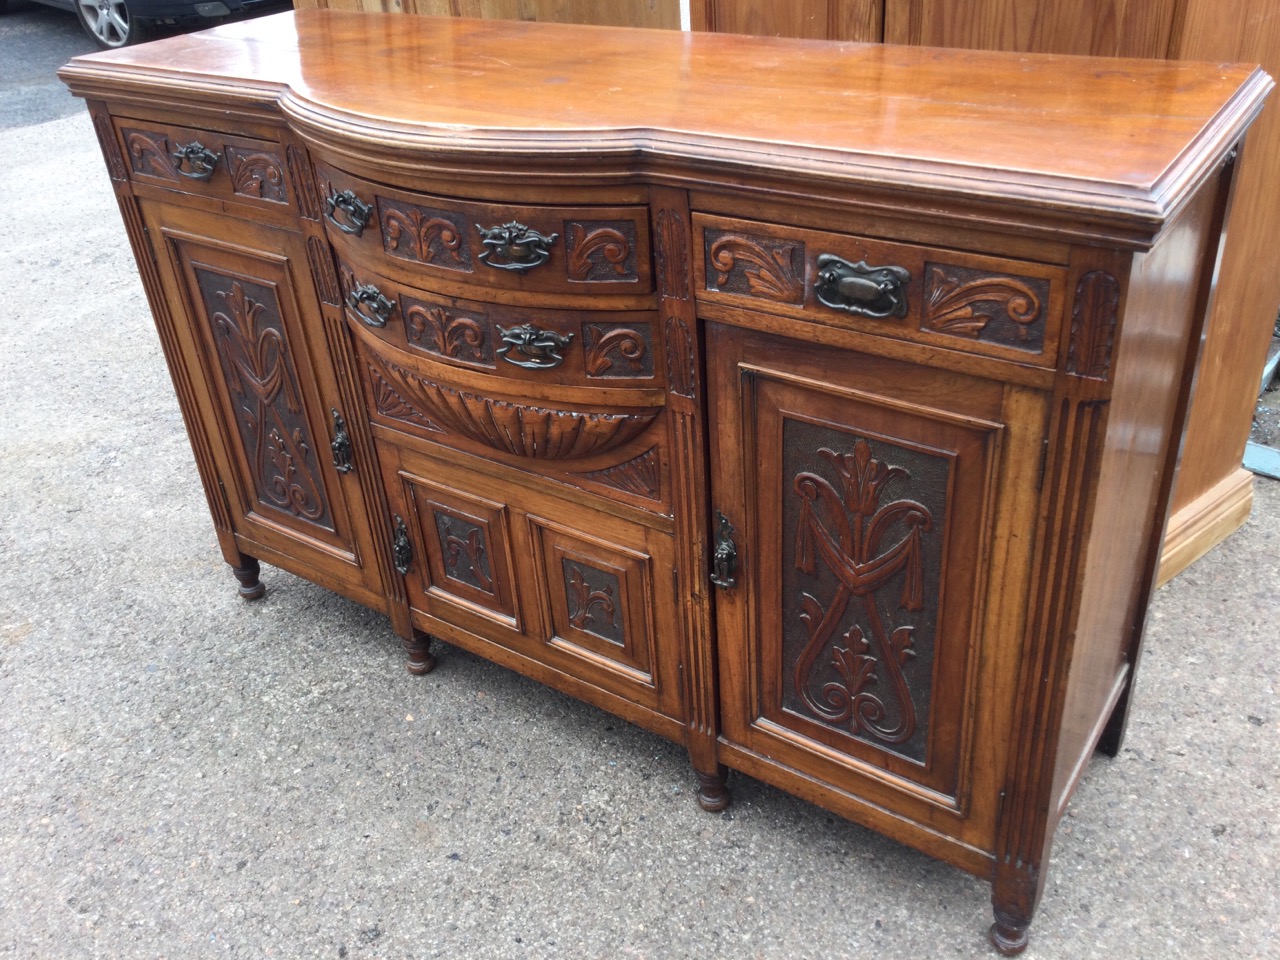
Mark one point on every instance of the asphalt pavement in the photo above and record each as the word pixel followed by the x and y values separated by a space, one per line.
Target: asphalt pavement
pixel 186 775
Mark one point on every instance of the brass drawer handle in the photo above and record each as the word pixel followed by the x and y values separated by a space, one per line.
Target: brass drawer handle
pixel 379 308
pixel 532 347
pixel 355 212
pixel 201 160
pixel 513 246
pixel 861 289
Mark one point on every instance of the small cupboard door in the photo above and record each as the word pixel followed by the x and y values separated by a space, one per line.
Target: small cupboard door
pixel 863 497
pixel 267 403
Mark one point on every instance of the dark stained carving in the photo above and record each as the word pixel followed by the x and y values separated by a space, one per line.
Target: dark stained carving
pixel 110 146
pixel 601 250
pixel 1093 324
pixel 448 332
pixel 985 306
pixel 640 475
pixel 682 370
pixel 617 349
pixel 854 561
pixel 149 153
pixel 321 261
pixel 256 174
pixel 523 430
pixel 389 403
pixel 263 384
pixel 755 266
pixel 304 183
pixel 463 547
pixel 423 235
pixel 672 253
pixel 592 597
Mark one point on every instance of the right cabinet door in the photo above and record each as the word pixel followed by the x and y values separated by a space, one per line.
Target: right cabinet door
pixel 875 506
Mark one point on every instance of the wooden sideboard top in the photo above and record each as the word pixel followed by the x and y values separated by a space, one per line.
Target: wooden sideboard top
pixel 1124 139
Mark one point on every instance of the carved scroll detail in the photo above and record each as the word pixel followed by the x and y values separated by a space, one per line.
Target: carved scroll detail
pixel 389 403
pixel 640 475
pixel 600 251
pixel 1093 324
pixel 592 597
pixel 464 552
pixel 617 350
pixel 843 531
pixel 523 430
pixel 984 306
pixel 256 175
pixel 755 266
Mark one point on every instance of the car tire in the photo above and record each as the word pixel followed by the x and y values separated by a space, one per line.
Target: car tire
pixel 110 24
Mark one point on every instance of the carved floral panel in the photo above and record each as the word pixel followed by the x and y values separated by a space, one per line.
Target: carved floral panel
pixel 863 529
pixel 762 267
pixel 613 350
pixel 256 173
pixel 448 331
pixel 262 382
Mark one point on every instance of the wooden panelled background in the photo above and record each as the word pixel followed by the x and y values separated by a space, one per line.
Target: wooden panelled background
pixel 1213 493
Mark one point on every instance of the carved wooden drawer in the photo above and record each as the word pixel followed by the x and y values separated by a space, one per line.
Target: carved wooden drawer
pixel 584 594
pixel 586 251
pixel 947 298
pixel 205 162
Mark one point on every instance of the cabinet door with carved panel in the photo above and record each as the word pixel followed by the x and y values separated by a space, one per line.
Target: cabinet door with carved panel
pixel 264 404
pixel 866 498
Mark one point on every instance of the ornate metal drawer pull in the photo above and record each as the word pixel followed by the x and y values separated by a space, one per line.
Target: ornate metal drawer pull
pixel 364 295
pixel 401 548
pixel 513 246
pixel 200 158
pixel 340 444
pixel 532 347
pixel 355 212
pixel 724 562
pixel 860 289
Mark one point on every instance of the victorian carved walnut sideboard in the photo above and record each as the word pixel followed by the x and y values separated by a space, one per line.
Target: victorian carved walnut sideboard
pixel 813 405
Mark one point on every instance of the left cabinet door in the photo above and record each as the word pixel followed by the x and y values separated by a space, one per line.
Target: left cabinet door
pixel 249 335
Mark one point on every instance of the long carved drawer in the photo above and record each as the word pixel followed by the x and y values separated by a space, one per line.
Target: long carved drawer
pixel 589 251
pixel 205 162
pixel 582 592
pixel 956 300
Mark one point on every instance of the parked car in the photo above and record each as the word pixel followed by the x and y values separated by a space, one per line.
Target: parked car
pixel 119 23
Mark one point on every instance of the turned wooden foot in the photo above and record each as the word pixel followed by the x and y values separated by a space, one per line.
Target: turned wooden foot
pixel 713 796
pixel 1008 934
pixel 418 649
pixel 251 587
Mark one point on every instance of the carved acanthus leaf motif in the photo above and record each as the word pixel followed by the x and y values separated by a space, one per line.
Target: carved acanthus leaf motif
pixel 592 605
pixel 766 265
pixel 438 331
pixel 426 236
pixel 965 306
pixel 256 175
pixel 1093 324
pixel 614 350
pixel 842 532
pixel 582 245
pixel 149 154
pixel 523 430
pixel 464 553
pixel 640 475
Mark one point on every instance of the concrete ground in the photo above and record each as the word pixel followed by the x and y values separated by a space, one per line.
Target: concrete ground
pixel 185 775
